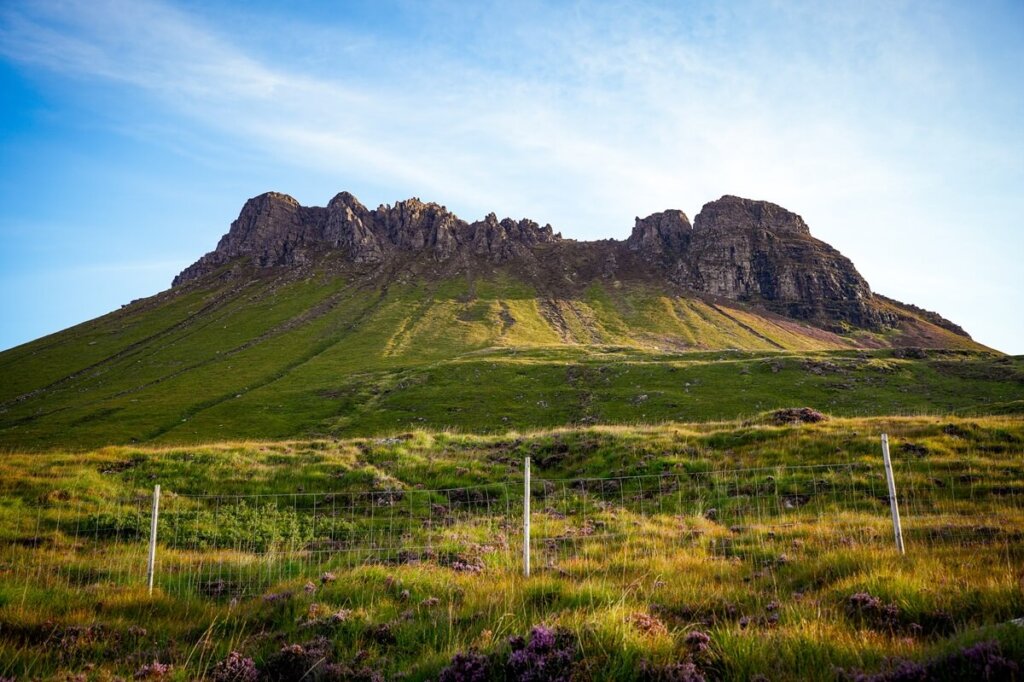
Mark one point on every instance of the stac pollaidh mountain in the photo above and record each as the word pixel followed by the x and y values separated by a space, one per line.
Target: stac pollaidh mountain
pixel 738 250
pixel 341 320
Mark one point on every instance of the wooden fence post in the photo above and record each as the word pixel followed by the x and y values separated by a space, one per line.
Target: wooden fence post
pixel 526 518
pixel 152 537
pixel 897 529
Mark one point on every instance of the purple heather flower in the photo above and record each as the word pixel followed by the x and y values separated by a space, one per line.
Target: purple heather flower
pixel 547 656
pixel 698 641
pixel 275 597
pixel 235 668
pixel 541 638
pixel 154 671
pixel 519 659
pixel 981 661
pixel 466 667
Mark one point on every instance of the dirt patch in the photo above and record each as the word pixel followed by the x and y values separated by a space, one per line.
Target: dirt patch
pixel 914 449
pixel 797 415
pixel 123 465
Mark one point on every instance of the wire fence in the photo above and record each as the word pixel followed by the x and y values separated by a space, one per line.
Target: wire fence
pixel 960 505
pixel 763 516
pixel 218 545
pixel 71 542
pixel 214 546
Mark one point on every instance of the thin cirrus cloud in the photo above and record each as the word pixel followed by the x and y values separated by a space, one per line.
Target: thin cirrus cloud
pixel 586 114
pixel 306 121
pixel 620 121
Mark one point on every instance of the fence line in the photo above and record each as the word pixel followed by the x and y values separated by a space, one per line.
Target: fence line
pixel 213 545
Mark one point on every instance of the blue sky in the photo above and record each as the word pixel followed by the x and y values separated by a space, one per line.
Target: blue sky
pixel 131 132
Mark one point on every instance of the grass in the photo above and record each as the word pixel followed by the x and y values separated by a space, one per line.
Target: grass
pixel 628 556
pixel 321 354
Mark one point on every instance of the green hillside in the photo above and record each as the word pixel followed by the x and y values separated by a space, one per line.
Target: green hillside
pixel 336 352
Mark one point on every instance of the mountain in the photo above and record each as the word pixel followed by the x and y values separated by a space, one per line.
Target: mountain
pixel 737 249
pixel 345 320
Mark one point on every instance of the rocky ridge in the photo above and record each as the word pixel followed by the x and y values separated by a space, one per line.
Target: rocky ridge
pixel 738 249
pixel 273 229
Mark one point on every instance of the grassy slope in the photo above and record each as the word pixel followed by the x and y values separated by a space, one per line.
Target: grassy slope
pixel 328 355
pixel 961 593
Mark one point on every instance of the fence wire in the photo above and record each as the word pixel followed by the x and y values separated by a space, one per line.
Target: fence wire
pixel 216 545
pixel 953 506
pixel 75 541
pixel 765 516
pixel 221 546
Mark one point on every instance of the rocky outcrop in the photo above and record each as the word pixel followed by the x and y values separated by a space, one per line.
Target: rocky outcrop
pixel 759 252
pixel 273 229
pixel 739 249
pixel 661 235
pixel 506 240
pixel 413 225
pixel 732 214
pixel 349 226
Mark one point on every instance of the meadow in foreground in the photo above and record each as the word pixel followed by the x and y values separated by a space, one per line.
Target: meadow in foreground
pixel 716 551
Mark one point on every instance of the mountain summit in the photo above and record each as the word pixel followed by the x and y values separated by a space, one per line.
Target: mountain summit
pixel 754 252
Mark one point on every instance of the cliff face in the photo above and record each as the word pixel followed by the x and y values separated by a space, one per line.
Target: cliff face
pixel 739 249
pixel 661 236
pixel 274 230
pixel 757 251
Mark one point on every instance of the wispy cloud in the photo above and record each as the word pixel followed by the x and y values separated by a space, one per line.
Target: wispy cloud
pixel 605 126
